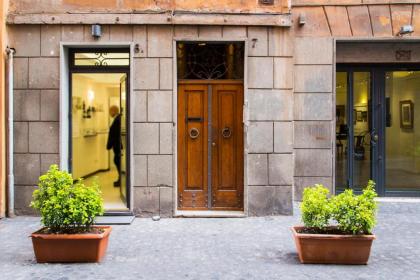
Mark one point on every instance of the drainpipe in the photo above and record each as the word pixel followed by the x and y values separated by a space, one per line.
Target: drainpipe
pixel 11 178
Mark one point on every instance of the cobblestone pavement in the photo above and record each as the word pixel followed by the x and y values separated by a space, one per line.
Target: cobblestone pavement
pixel 247 248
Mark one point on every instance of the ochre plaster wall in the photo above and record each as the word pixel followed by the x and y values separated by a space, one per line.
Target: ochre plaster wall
pixel 3 9
pixel 223 6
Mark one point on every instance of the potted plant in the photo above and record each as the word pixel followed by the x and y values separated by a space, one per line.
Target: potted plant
pixel 337 229
pixel 68 210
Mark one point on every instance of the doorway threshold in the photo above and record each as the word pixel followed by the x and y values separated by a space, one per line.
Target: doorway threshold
pixel 398 199
pixel 209 214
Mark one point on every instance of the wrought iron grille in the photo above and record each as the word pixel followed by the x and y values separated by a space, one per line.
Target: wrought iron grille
pixel 101 59
pixel 210 61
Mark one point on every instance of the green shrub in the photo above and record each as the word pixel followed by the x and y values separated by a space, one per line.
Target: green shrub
pixel 353 214
pixel 356 214
pixel 315 207
pixel 65 206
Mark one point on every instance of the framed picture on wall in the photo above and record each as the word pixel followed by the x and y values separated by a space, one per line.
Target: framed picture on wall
pixel 407 114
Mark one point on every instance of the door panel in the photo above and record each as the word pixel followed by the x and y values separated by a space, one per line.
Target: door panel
pixel 210 150
pixel 192 147
pixel 227 154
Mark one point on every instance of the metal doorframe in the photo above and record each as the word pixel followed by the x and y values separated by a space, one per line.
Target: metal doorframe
pixel 378 96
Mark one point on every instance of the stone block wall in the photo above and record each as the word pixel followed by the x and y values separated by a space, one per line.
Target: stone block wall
pixel 270 131
pixel 270 159
pixel 314 112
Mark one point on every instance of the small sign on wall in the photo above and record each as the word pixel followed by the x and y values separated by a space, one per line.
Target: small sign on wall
pixel 403 55
pixel 267 2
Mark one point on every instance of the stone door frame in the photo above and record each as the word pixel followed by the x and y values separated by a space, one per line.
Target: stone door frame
pixel 64 122
pixel 210 213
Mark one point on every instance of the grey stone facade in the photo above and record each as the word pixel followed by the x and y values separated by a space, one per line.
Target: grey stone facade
pixel 288 111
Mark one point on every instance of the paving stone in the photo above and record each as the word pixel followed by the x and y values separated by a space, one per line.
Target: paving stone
pixel 258 248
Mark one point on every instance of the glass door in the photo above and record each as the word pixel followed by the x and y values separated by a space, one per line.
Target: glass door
pixel 402 132
pixel 378 129
pixel 354 127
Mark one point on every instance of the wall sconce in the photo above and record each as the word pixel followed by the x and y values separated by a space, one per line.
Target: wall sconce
pixel 302 19
pixel 96 31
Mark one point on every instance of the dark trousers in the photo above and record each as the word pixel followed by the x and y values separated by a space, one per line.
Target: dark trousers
pixel 117 161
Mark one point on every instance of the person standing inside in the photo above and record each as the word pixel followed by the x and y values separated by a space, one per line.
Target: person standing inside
pixel 114 140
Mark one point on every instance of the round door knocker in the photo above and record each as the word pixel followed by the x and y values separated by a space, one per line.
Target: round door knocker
pixel 226 132
pixel 194 133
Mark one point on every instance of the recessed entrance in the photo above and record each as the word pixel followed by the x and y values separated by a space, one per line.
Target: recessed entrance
pixel 210 126
pixel 378 128
pixel 99 123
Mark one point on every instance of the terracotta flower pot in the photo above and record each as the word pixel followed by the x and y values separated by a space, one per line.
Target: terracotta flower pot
pixel 89 247
pixel 332 248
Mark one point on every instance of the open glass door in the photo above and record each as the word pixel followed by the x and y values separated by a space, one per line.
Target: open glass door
pixel 99 115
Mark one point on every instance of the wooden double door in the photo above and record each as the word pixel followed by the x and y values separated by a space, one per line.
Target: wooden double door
pixel 210 145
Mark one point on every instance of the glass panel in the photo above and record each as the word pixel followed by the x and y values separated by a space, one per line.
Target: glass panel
pixel 101 59
pixel 361 129
pixel 402 136
pixel 342 132
pixel 123 113
pixel 210 61
pixel 97 132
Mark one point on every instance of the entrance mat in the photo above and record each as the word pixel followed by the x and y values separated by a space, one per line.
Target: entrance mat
pixel 114 220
